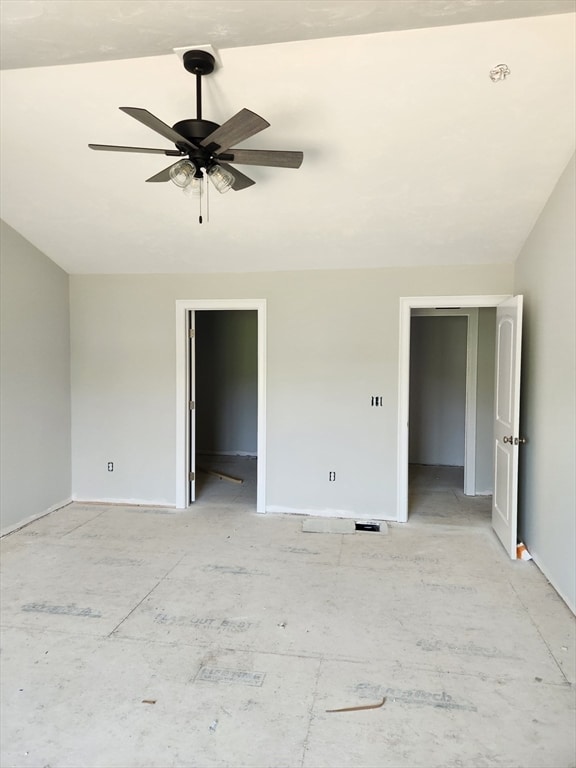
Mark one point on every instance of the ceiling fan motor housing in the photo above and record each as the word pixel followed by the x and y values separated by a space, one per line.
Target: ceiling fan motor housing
pixel 195 130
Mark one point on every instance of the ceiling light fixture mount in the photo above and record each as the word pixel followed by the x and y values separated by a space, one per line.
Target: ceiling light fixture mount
pixel 198 62
pixel 500 72
pixel 207 145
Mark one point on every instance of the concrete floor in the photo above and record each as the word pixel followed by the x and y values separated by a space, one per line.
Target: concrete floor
pixel 135 636
pixel 436 495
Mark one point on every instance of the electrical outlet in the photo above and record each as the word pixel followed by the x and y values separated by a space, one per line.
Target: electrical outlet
pixel 110 466
pixel 331 476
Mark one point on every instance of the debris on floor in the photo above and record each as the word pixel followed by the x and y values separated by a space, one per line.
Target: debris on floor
pixel 149 701
pixel 213 726
pixel 522 553
pixel 221 475
pixel 358 709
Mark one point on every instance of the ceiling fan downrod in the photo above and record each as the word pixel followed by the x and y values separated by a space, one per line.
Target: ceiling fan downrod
pixel 199 63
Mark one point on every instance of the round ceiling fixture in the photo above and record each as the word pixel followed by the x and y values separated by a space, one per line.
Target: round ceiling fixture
pixel 500 72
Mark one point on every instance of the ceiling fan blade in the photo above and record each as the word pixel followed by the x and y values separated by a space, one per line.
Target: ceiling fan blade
pixel 270 157
pixel 241 181
pixel 149 120
pixel 239 128
pixel 163 175
pixel 115 148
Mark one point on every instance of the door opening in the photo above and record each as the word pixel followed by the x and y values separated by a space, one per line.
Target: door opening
pixel 216 381
pixel 224 420
pixel 443 390
pixel 507 379
pixel 441 470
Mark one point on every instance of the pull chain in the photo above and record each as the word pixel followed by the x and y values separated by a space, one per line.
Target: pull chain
pixel 204 191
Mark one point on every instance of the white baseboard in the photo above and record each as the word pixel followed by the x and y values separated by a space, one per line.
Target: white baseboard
pixel 127 502
pixel 27 520
pixel 341 513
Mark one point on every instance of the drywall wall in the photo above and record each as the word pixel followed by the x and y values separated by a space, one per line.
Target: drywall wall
pixel 485 400
pixel 437 390
pixel 545 275
pixel 332 343
pixel 35 381
pixel 226 376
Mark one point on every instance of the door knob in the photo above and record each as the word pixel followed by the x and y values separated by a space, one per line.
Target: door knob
pixel 507 439
pixel 519 441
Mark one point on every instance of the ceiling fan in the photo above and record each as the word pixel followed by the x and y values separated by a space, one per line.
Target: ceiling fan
pixel 207 146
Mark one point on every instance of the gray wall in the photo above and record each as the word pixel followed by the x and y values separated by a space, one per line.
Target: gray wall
pixel 437 390
pixel 545 274
pixel 226 374
pixel 332 343
pixel 34 381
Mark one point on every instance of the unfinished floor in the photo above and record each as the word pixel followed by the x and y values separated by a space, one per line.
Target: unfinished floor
pixel 436 495
pixel 219 638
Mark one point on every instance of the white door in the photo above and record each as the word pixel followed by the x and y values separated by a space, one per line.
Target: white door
pixel 192 406
pixel 507 422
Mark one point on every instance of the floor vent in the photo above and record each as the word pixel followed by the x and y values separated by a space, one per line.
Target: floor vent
pixel 368 527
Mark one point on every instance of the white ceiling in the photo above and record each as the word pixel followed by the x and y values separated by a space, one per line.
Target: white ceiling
pixel 412 155
pixel 38 33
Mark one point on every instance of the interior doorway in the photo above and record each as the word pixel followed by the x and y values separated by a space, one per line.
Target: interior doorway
pixel 443 389
pixel 502 418
pixel 442 412
pixel 478 427
pixel 186 434
pixel 224 427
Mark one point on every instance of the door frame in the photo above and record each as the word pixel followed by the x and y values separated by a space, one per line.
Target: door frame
pixel 183 307
pixel 407 304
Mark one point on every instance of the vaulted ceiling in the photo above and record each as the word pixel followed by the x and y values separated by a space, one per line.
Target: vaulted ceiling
pixel 412 154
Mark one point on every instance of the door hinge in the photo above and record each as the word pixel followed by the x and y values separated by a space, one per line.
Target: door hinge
pixel 191 476
pixel 192 405
pixel 191 333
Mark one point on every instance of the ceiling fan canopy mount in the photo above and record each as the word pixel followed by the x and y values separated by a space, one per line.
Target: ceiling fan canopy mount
pixel 199 62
